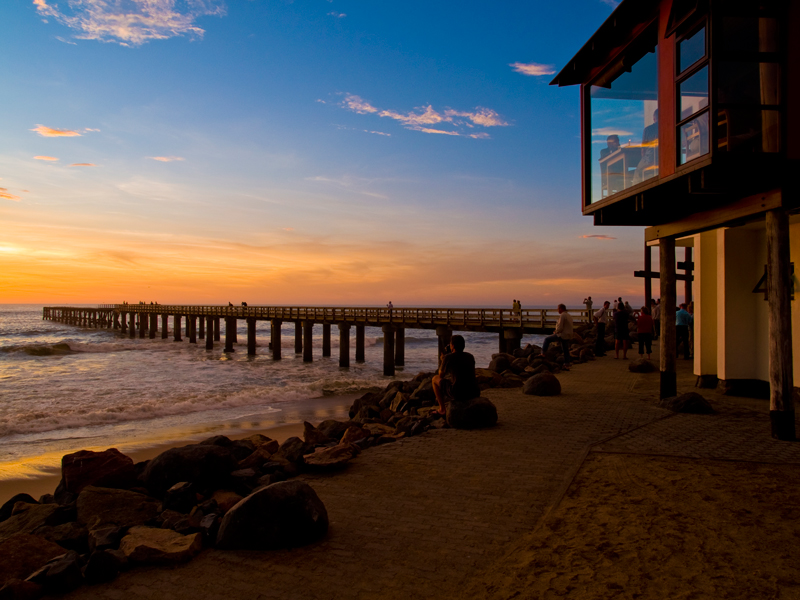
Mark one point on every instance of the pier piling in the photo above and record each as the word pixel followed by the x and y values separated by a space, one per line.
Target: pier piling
pixel 326 339
pixel 275 339
pixel 176 327
pixel 210 335
pixel 344 344
pixel 388 350
pixel 298 337
pixel 400 347
pixel 359 343
pixel 153 325
pixel 164 326
pixel 191 326
pixel 251 336
pixel 308 333
pixel 230 333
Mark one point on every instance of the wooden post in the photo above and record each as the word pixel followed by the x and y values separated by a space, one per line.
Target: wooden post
pixel 326 339
pixel 164 327
pixel 230 329
pixel 400 347
pixel 210 335
pixel 344 344
pixel 153 325
pixel 687 283
pixel 781 403
pixel 176 326
pixel 132 325
pixel 275 338
pixel 191 326
pixel 201 328
pixel 669 376
pixel 501 346
pixel 188 326
pixel 216 329
pixel 388 350
pixel 359 344
pixel 648 283
pixel 142 325
pixel 123 322
pixel 298 337
pixel 513 339
pixel 308 332
pixel 251 336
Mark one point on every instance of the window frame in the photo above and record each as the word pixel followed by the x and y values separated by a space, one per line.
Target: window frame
pixel 682 34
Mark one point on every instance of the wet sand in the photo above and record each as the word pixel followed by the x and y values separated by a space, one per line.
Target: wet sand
pixel 278 426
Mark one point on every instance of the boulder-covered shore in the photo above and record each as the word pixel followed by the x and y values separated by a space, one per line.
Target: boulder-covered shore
pixel 109 514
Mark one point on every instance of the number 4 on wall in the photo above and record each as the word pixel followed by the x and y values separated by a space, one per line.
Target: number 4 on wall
pixel 761 286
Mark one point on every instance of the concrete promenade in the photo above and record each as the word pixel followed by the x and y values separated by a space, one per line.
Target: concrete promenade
pixel 431 516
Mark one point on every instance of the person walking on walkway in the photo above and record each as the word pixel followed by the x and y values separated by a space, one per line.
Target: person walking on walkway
pixel 563 334
pixel 601 320
pixel 644 332
pixel 621 337
pixel 683 320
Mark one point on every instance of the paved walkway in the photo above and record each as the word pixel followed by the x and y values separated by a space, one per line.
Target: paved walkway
pixel 423 517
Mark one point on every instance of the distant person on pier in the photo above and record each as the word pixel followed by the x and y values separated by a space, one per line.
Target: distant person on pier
pixel 601 320
pixel 621 337
pixel 562 334
pixel 455 380
pixel 244 303
pixel 645 328
pixel 230 303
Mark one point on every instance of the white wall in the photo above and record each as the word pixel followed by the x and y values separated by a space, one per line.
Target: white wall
pixel 705 303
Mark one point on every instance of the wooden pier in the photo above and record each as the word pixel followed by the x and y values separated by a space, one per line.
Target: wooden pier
pixel 204 322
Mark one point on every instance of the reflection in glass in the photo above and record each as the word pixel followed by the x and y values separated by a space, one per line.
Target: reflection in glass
pixel 748 82
pixel 692 49
pixel 748 130
pixel 694 138
pixel 624 121
pixel 749 34
pixel 693 93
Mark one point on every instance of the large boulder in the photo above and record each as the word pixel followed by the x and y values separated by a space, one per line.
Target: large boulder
pixel 8 507
pixel 353 434
pixel 472 414
pixel 423 393
pixel 152 546
pixel 519 364
pixel 334 458
pixel 22 554
pixel 688 403
pixel 28 517
pixel 542 384
pixel 334 429
pixel 202 464
pixel 72 536
pixel 293 450
pixel 102 507
pixel 261 455
pixel 282 515
pixel 500 363
pixel 486 378
pixel 109 468
pixel 313 436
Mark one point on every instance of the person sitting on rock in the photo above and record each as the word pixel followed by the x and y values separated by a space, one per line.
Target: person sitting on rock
pixel 562 334
pixel 455 380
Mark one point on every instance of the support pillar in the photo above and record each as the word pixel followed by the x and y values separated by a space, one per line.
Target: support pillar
pixel 326 339
pixel 164 327
pixel 142 325
pixel 123 325
pixel 230 332
pixel 201 328
pixel 153 325
pixel 235 332
pixel 308 331
pixel 388 350
pixel 344 344
pixel 191 326
pixel 176 327
pixel 188 326
pixel 779 284
pixel 648 268
pixel 216 329
pixel 501 347
pixel 298 337
pixel 445 335
pixel 669 377
pixel 132 325
pixel 275 338
pixel 210 334
pixel 359 344
pixel 513 339
pixel 687 284
pixel 251 336
pixel 400 347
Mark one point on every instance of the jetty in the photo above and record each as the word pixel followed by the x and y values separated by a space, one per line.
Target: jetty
pixel 204 322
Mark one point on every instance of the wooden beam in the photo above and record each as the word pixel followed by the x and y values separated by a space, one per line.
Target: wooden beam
pixel 669 377
pixel 657 275
pixel 648 281
pixel 781 403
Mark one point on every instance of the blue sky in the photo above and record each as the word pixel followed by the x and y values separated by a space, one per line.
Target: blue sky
pixel 298 152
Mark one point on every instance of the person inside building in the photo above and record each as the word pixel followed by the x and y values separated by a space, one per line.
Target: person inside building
pixel 455 381
pixel 612 145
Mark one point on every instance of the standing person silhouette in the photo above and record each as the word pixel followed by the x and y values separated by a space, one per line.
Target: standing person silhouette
pixel 455 380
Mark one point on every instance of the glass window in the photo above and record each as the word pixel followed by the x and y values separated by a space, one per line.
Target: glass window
pixel 748 130
pixel 692 49
pixel 748 82
pixel 694 138
pixel 693 93
pixel 624 122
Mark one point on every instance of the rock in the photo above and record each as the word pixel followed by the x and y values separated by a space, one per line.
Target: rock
pixel 102 566
pixel 105 538
pixel 261 455
pixel 18 589
pixel 226 500
pixel 353 434
pixel 270 479
pixel 62 575
pixel 72 536
pixel 368 399
pixel 472 414
pixel 399 402
pixel 379 428
pixel 406 425
pixel 331 459
pixel 500 363
pixel 282 515
pixel 147 545
pixel 98 507
pixel 519 365
pixel 217 440
pixel 688 403
pixel 8 507
pixel 542 384
pixel 313 436
pixel 511 380
pixel 259 440
pixel 334 429
pixel 386 414
pixel 241 449
pixel 203 465
pixel 180 497
pixel 209 526
pixel 293 450
pixel 46 499
pixel 424 392
pixel 110 469
pixel 23 553
pixel 486 378
pixel 642 365
pixel 28 517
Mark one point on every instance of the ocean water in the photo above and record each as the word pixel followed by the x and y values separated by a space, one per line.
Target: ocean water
pixel 64 388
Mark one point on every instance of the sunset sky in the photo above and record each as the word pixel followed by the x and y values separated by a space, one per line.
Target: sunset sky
pixel 298 152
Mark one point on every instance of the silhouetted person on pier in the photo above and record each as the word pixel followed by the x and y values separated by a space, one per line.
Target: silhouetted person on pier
pixel 244 303
pixel 230 303
pixel 455 380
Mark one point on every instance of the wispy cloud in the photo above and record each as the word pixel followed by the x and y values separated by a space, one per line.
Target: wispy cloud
pixel 166 158
pixel 599 237
pixel 44 131
pixel 83 165
pixel 422 117
pixel 534 69
pixel 51 158
pixel 60 39
pixel 338 15
pixel 4 193
pixel 131 22
pixel 606 131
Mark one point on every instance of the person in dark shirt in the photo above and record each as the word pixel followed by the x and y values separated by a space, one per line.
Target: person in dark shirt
pixel 455 381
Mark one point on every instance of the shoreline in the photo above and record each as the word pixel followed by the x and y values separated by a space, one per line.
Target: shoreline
pixel 278 426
